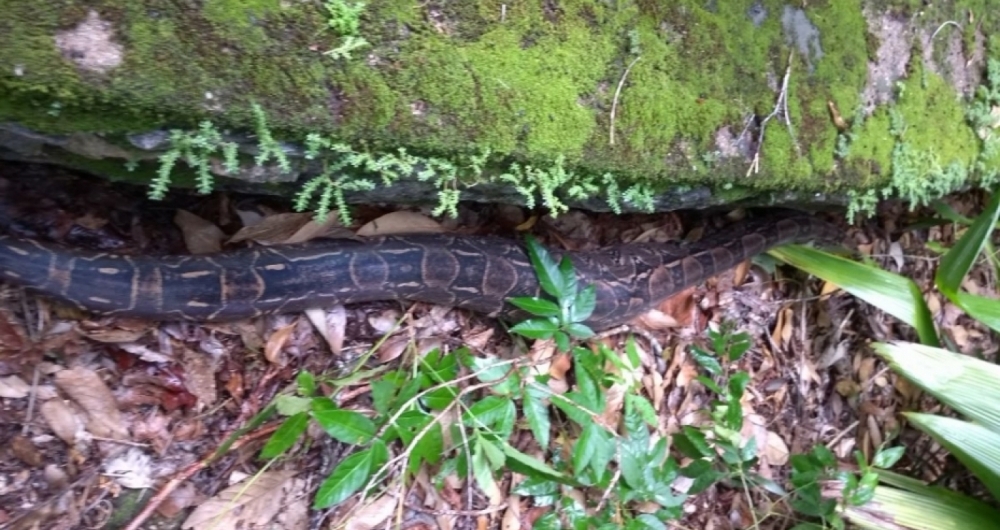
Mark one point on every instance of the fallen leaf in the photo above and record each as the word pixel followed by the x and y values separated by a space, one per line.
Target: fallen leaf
pixel 63 420
pixel 26 451
pixel 330 228
pixel 87 389
pixel 331 324
pixel 372 514
pixel 200 236
pixel 402 222
pixel 199 377
pixel 257 502
pixel 276 342
pixel 13 387
pixel 273 229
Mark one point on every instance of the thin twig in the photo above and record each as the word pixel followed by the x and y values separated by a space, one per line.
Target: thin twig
pixel 780 106
pixel 189 472
pixel 614 103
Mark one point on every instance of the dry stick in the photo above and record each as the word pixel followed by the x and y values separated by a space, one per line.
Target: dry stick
pixel 614 103
pixel 781 105
pixel 187 473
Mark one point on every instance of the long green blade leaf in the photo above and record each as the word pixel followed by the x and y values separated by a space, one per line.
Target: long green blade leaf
pixel 892 293
pixel 957 262
pixel 977 447
pixel 985 310
pixel 926 510
pixel 964 383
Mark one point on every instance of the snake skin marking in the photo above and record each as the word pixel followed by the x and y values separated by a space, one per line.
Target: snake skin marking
pixel 476 272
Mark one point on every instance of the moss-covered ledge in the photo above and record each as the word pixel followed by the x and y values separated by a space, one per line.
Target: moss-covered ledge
pixel 630 105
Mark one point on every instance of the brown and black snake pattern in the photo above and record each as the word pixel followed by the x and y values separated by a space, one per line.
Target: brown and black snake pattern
pixel 475 273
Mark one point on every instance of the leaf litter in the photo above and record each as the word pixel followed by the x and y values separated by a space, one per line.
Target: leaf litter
pixel 141 403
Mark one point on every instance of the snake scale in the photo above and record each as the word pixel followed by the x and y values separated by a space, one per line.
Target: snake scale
pixel 478 273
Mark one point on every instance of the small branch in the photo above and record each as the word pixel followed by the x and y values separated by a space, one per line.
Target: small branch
pixel 780 107
pixel 614 103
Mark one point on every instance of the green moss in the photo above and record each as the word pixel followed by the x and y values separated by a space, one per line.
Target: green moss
pixel 871 152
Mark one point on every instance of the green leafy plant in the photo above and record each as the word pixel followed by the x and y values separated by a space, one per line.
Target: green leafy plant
pixel 564 317
pixel 196 149
pixel 965 384
pixel 345 20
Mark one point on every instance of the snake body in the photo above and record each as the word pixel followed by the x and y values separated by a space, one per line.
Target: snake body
pixel 478 273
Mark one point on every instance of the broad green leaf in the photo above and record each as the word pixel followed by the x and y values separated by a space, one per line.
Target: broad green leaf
pixel 286 435
pixel 633 462
pixel 692 443
pixel 350 475
pixel 977 447
pixel 535 487
pixel 494 455
pixel 289 405
pixel 346 426
pixel 964 383
pixel 957 262
pixel 605 448
pixel 580 331
pixel 440 398
pixel 490 369
pixel 530 466
pixel 428 448
pixel 383 392
pixel 892 293
pixel 648 521
pixel 643 407
pixel 706 360
pixel 483 472
pixel 439 368
pixel 585 448
pixel 490 412
pixel 569 287
pixel 536 306
pixel 562 340
pixel 536 328
pixel 583 306
pixel 536 411
pixel 985 310
pixel 306 383
pixel 927 510
pixel 549 277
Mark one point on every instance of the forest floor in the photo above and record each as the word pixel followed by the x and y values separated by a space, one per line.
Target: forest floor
pixel 98 414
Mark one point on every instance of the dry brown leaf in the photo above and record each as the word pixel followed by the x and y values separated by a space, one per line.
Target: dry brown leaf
pixel 372 514
pixel 63 420
pixel 276 342
pixel 87 389
pixel 258 502
pixel 331 324
pixel 200 236
pixel 13 387
pixel 273 229
pixel 561 363
pixel 199 377
pixel 740 272
pixel 330 228
pixel 26 451
pixel 657 320
pixel 400 223
pixel 512 515
pixel 828 288
pixel 180 499
pixel 392 348
pixel 113 335
pixel 477 339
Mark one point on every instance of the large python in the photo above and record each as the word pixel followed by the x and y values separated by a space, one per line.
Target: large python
pixel 475 273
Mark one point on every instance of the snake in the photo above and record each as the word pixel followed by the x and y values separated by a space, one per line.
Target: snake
pixel 480 273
